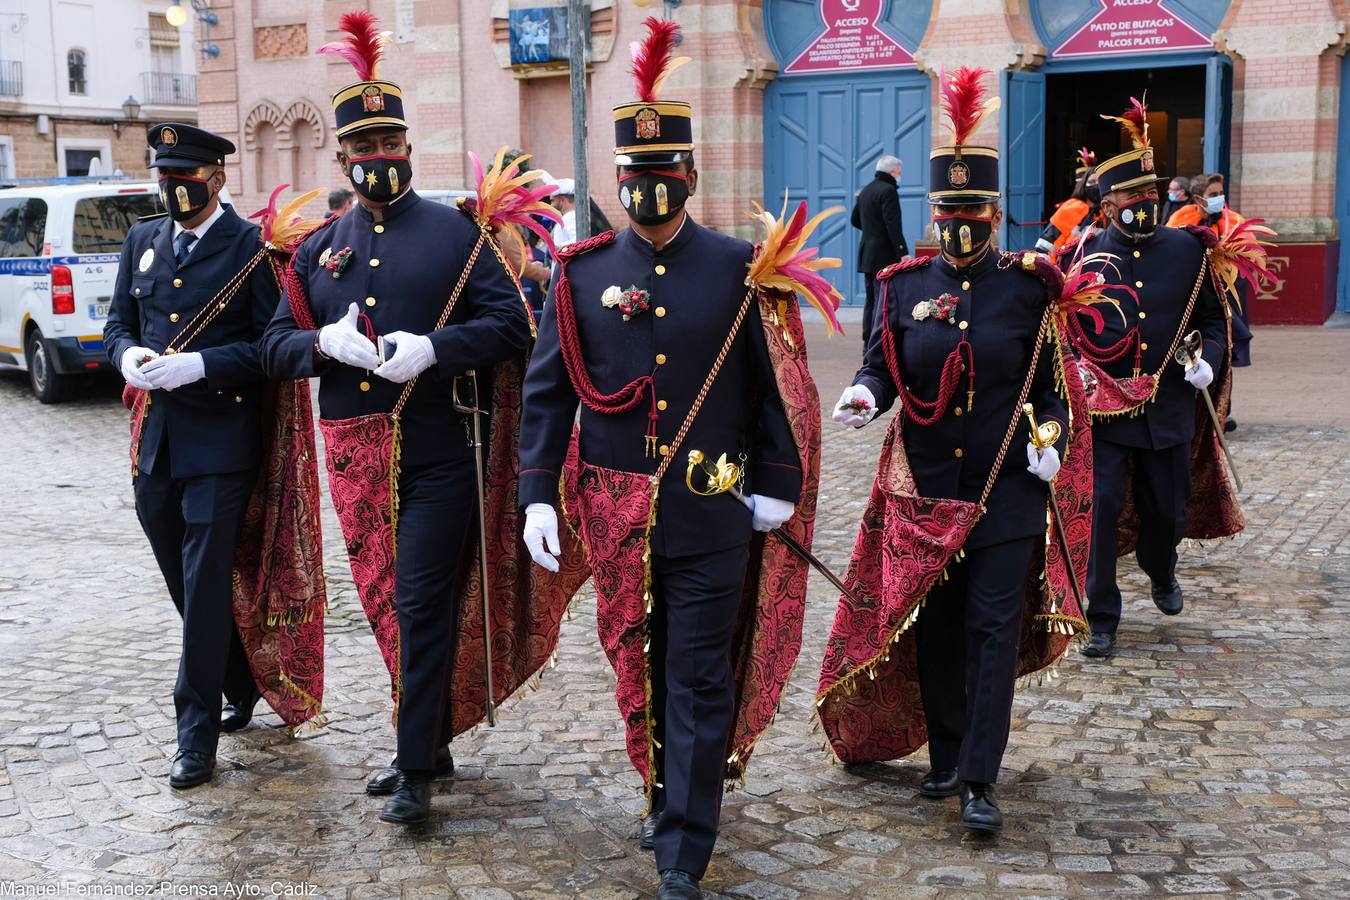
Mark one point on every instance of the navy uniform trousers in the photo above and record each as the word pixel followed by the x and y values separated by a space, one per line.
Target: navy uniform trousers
pixel 437 504
pixel 696 600
pixel 193 526
pixel 967 637
pixel 1161 481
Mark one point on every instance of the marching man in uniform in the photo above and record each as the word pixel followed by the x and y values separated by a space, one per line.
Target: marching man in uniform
pixel 953 543
pixel 1144 405
pixel 194 292
pixel 653 333
pixel 387 305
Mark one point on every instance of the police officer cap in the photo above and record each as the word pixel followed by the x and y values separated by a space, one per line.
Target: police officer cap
pixel 183 146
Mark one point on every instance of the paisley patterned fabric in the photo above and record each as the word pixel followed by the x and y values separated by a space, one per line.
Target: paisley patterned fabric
pixel 868 699
pixel 526 605
pixel 612 511
pixel 279 590
pixel 1108 396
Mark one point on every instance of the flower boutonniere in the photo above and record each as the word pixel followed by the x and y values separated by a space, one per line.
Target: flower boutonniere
pixel 943 309
pixel 630 302
pixel 336 262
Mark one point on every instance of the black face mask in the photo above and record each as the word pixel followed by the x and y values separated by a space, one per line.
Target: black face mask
pixel 184 196
pixel 653 196
pixel 380 178
pixel 1139 218
pixel 962 235
pixel 1093 194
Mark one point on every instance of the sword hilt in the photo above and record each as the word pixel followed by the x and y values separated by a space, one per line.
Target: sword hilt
pixel 1043 434
pixel 1190 350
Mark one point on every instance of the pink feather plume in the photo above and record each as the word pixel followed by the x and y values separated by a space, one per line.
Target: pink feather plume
pixel 362 47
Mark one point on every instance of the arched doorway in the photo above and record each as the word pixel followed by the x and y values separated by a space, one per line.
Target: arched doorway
pixel 847 92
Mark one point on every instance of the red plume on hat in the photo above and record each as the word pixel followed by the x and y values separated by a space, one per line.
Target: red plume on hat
pixel 964 102
pixel 1086 158
pixel 1134 122
pixel 652 62
pixel 363 46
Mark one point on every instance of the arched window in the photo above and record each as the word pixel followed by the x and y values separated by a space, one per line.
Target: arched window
pixel 75 70
pixel 303 169
pixel 268 165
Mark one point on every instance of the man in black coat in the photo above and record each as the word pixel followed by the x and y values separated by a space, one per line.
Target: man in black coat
pixel 201 437
pixel 877 214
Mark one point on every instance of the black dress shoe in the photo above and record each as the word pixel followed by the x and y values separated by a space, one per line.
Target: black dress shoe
pixel 190 769
pixel 978 810
pixel 647 831
pixel 384 781
pixel 234 716
pixel 1102 645
pixel 1168 599
pixel 1229 425
pixel 940 783
pixel 677 885
pixel 410 804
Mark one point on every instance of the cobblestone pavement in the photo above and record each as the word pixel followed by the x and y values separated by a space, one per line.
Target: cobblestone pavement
pixel 1211 756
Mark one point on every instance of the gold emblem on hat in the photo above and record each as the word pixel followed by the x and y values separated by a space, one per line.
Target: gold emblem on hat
pixel 372 99
pixel 1146 161
pixel 147 259
pixel 958 174
pixel 648 123
pixel 168 137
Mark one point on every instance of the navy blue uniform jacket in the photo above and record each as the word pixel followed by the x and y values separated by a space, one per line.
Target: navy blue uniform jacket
pixel 401 274
pixel 697 284
pixel 212 426
pixel 952 458
pixel 1162 271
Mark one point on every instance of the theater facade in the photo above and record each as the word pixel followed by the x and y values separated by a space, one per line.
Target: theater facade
pixel 803 95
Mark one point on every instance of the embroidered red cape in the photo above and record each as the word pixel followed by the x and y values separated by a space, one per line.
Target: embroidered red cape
pixel 362 456
pixel 1213 510
pixel 610 514
pixel 868 699
pixel 279 590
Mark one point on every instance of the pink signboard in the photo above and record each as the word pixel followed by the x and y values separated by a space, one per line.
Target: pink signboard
pixel 1133 26
pixel 852 40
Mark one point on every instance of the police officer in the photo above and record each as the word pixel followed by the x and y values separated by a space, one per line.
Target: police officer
pixel 683 285
pixel 192 298
pixel 1150 442
pixel 387 268
pixel 964 327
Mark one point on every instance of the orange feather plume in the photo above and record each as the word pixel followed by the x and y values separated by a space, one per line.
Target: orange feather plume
pixel 783 262
pixel 282 228
pixel 1134 121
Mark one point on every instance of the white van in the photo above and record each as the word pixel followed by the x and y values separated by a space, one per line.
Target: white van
pixel 59 250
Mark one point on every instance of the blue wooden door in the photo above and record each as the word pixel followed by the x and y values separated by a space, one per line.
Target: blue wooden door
pixel 822 137
pixel 1218 113
pixel 1023 159
pixel 1343 191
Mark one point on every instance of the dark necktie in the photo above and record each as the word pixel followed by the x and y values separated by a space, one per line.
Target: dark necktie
pixel 183 244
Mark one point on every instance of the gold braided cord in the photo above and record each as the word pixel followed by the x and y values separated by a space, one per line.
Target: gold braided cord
pixel 208 313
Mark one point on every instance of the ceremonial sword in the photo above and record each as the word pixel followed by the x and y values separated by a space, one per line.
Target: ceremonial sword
pixel 1187 355
pixel 722 478
pixel 1043 436
pixel 476 412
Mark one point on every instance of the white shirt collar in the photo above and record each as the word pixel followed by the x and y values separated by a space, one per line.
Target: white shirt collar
pixel 200 230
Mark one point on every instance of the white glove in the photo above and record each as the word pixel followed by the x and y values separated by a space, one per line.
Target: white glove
pixel 1200 375
pixel 413 355
pixel 174 370
pixel 344 342
pixel 852 394
pixel 768 513
pixel 541 525
pixel 1044 464
pixel 132 358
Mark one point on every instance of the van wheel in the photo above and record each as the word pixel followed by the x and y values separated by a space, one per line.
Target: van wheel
pixel 49 386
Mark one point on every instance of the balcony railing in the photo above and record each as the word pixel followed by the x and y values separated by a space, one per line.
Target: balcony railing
pixel 11 78
pixel 169 89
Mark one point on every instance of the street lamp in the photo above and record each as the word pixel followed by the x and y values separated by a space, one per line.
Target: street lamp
pixel 131 108
pixel 176 15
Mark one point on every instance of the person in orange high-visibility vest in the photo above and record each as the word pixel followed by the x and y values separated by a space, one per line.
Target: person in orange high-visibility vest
pixel 1074 214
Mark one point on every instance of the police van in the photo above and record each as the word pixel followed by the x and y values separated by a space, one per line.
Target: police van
pixel 60 242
